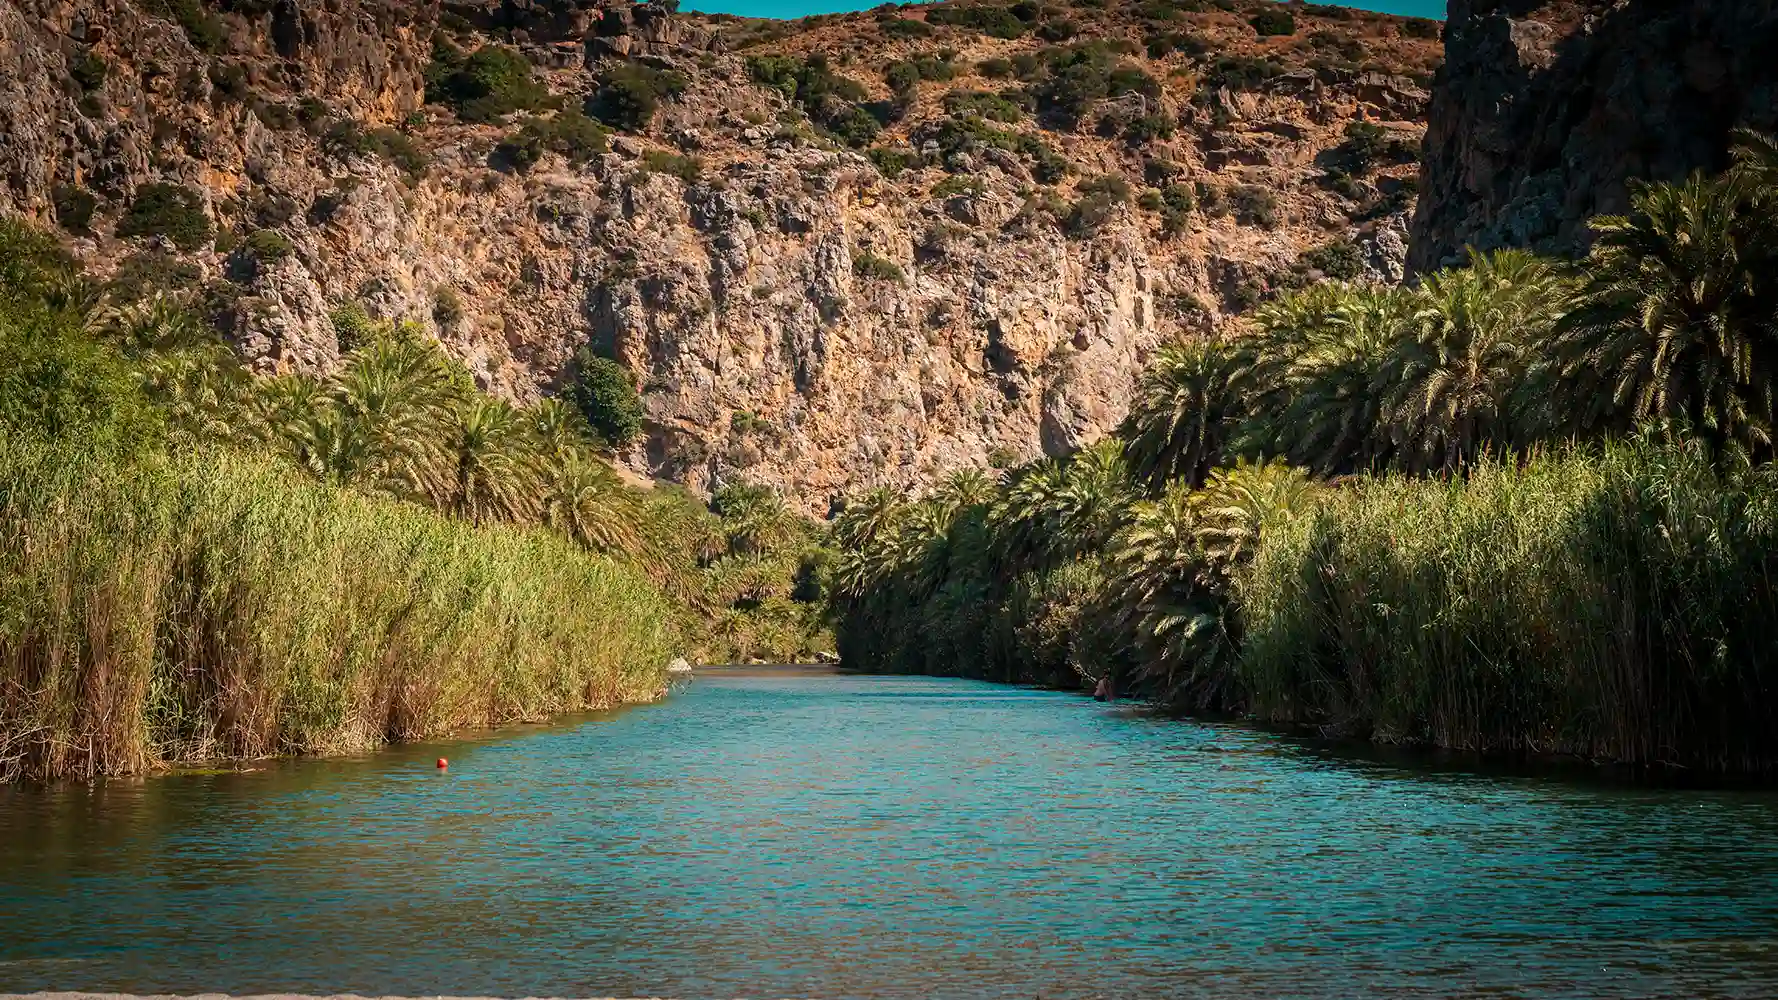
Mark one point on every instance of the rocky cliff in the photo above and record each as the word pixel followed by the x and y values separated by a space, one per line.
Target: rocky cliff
pixel 1546 109
pixel 952 240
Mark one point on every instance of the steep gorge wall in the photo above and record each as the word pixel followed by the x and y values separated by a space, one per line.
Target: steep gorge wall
pixel 1545 110
pixel 768 342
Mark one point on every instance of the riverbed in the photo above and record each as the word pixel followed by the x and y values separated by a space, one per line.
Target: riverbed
pixel 802 834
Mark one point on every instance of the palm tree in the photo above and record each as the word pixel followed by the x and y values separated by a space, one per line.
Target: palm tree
pixel 1185 405
pixel 395 395
pixel 754 518
pixel 1025 520
pixel 203 390
pixel 585 500
pixel 1679 316
pixel 1317 368
pixel 493 463
pixel 561 429
pixel 1164 599
pixel 1452 383
pixel 1238 504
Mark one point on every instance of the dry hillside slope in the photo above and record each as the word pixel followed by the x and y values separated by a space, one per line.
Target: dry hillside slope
pixel 842 251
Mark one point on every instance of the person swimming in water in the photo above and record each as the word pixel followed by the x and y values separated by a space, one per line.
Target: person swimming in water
pixel 1103 691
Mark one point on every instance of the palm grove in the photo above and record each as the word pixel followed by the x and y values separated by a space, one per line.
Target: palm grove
pixel 1526 505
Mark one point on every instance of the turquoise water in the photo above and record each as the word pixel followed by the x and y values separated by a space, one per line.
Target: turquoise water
pixel 802 8
pixel 830 836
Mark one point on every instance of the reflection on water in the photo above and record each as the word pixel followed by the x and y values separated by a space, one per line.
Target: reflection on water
pixel 827 836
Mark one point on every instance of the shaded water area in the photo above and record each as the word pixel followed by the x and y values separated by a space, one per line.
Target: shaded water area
pixel 806 835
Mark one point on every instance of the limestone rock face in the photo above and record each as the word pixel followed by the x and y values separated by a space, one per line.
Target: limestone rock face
pixel 1545 110
pixel 792 315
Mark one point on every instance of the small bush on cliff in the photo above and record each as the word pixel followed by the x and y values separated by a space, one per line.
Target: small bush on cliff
pixel 605 393
pixel 831 100
pixel 904 27
pixel 994 21
pixel 87 70
pixel 346 138
pixel 1271 21
pixel 269 246
pixel 74 208
pixel 490 82
pixel 686 168
pixel 570 133
pixel 1419 27
pixel 204 29
pixel 169 210
pixel 630 93
pixel 1365 147
pixel 877 268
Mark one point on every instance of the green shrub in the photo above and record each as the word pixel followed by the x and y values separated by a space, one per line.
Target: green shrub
pixel 686 168
pixel 994 21
pixel 1269 21
pixel 269 246
pixel 1366 145
pixel 1187 43
pixel 605 392
pixel 830 100
pixel 75 206
pixel 60 384
pixel 87 70
pixel 447 306
pixel 1254 205
pixel 629 94
pixel 869 265
pixel 1417 27
pixel 353 327
pixel 891 162
pixel 1114 186
pixel 346 138
pixel 995 68
pixel 1339 260
pixel 204 29
pixel 904 27
pixel 170 210
pixel 484 85
pixel 570 133
pixel 1239 73
pixel 1143 129
pixel 994 107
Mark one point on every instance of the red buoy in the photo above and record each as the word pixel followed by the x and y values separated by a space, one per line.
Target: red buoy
pixel 442 763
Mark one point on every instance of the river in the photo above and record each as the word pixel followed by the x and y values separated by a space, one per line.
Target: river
pixel 809 835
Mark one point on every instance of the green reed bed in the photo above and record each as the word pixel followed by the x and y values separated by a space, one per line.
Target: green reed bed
pixel 167 610
pixel 1616 604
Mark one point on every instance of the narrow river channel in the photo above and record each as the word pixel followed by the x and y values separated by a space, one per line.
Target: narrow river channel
pixel 808 835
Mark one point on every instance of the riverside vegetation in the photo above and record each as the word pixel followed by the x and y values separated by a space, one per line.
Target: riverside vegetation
pixel 1527 505
pixel 201 563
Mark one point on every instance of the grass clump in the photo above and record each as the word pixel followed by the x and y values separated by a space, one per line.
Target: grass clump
pixel 175 609
pixel 685 167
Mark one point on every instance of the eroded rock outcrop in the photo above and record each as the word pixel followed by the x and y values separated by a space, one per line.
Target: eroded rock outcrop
pixel 1545 110
pixel 794 314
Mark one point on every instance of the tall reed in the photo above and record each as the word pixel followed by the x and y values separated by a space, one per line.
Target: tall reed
pixel 1614 603
pixel 170 609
